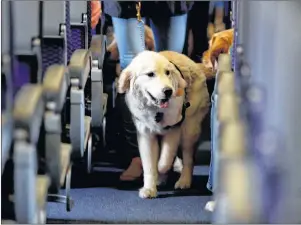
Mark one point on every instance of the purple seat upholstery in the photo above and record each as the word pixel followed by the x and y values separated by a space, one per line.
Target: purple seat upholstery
pixel 78 37
pixel 89 10
pixel 68 31
pixel 3 91
pixel 53 49
pixel 52 52
pixel 21 75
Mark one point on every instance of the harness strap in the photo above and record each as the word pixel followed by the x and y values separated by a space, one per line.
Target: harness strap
pixel 184 107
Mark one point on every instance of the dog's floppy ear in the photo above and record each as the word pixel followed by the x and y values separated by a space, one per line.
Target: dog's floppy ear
pixel 182 83
pixel 124 81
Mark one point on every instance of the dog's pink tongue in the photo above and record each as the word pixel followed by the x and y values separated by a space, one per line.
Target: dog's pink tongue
pixel 164 105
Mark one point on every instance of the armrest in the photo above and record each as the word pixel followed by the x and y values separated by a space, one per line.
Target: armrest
pixel 55 86
pixel 224 62
pixel 228 108
pixel 28 110
pixel 77 24
pixel 42 185
pixel 80 66
pixel 226 83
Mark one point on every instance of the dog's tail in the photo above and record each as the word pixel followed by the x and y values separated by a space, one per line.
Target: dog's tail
pixel 208 71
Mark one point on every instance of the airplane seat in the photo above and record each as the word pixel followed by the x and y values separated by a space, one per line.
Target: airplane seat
pixel 56 52
pixel 6 87
pixel 94 98
pixel 79 25
pixel 56 31
pixel 30 194
pixel 57 153
pixel 29 185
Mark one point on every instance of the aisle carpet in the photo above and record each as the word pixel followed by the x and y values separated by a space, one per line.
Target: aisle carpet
pixel 101 198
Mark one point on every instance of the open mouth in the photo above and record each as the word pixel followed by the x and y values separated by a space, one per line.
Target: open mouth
pixel 162 103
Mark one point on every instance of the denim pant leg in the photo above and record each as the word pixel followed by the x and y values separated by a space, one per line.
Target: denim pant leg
pixel 129 34
pixel 169 33
pixel 212 179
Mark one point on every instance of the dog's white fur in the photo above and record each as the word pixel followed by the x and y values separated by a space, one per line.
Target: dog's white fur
pixel 136 82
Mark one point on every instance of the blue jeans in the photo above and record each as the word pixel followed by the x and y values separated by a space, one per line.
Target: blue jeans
pixel 214 124
pixel 218 4
pixel 129 33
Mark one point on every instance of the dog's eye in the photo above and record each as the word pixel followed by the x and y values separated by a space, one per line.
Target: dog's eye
pixel 150 74
pixel 167 72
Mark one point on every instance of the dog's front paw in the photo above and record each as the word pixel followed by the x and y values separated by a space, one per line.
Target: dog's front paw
pixel 148 192
pixel 184 182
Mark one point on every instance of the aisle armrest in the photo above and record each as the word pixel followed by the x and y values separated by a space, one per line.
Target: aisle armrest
pixel 79 70
pixel 55 88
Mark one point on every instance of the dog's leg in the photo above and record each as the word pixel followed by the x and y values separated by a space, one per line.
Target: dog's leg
pixel 190 134
pixel 178 165
pixel 170 144
pixel 149 152
pixel 185 179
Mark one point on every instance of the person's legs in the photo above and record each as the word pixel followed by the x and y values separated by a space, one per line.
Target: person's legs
pixel 198 21
pixel 169 33
pixel 129 34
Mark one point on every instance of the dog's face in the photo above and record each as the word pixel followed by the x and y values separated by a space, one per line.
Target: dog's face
pixel 152 76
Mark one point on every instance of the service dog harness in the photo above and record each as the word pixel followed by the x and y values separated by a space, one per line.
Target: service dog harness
pixel 159 116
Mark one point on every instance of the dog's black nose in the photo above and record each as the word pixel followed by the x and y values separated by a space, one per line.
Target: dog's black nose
pixel 167 92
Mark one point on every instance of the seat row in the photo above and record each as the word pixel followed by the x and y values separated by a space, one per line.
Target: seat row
pixel 53 114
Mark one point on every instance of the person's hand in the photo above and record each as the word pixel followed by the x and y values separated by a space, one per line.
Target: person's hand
pixel 95 12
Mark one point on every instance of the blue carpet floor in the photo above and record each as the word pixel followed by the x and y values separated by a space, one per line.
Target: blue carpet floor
pixel 101 198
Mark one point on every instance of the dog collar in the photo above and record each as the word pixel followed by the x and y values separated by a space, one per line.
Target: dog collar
pixel 159 115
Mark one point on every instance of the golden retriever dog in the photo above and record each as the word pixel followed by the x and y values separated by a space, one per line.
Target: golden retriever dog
pixel 167 95
pixel 219 43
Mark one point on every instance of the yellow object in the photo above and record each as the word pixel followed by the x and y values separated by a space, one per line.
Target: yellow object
pixel 138 8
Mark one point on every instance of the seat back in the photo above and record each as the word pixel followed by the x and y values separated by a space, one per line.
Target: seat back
pixel 79 25
pixel 4 51
pixel 4 28
pixel 28 60
pixel 7 80
pixel 89 10
pixel 56 33
pixel 77 8
pixel 26 16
